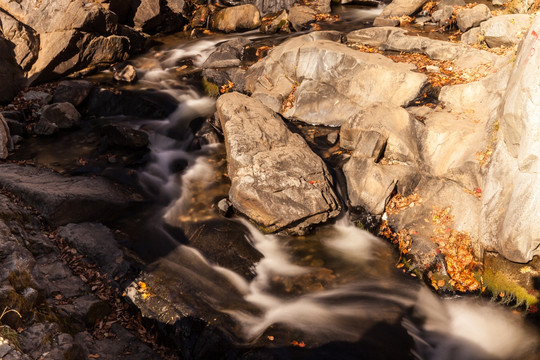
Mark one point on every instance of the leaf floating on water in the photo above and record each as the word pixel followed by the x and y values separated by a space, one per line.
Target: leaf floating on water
pixel 298 343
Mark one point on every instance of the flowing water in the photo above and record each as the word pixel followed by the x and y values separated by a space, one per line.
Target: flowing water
pixel 336 292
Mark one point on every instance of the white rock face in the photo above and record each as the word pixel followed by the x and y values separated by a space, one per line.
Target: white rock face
pixel 511 201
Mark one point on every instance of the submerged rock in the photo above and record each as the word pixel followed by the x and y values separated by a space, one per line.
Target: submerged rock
pixel 317 80
pixel 276 180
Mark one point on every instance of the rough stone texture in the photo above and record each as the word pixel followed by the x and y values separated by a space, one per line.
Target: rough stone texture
pixel 469 18
pixel 392 122
pixel 97 242
pixel 72 91
pixel 62 200
pixel 402 7
pixel 5 138
pixel 301 17
pixel 443 14
pixel 276 180
pixel 510 200
pixel 228 54
pixel 62 115
pixel 505 30
pixel 147 14
pixel 127 74
pixel 237 18
pixel 277 22
pixel 472 36
pixel 373 36
pixel 11 76
pixel 24 39
pixel 329 81
pixel 77 34
pixel 125 136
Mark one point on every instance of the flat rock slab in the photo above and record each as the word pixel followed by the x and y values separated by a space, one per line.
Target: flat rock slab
pixel 276 179
pixel 63 200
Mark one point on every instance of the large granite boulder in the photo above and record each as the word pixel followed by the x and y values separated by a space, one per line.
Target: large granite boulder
pixel 77 34
pixel 510 203
pixel 317 80
pixel 469 18
pixel 276 179
pixel 504 30
pixel 237 18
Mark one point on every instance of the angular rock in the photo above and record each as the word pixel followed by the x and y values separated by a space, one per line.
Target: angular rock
pixel 63 200
pixel 370 185
pixel 97 243
pixel 200 16
pixel 104 50
pixel 301 17
pixel 442 14
pixel 237 18
pixel 275 22
pixel 228 54
pixel 11 76
pixel 26 42
pixel 393 123
pixel 384 22
pixel 510 204
pixel 276 180
pixel 84 311
pixel 5 138
pixel 505 30
pixel 373 36
pixel 472 36
pixel 324 82
pixel 72 91
pixel 148 14
pixel 125 136
pixel 402 7
pixel 127 74
pixel 64 115
pixel 469 18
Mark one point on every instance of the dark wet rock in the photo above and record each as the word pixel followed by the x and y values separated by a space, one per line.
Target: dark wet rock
pixel 143 104
pixel 11 76
pixel 469 18
pixel 62 200
pixel 97 243
pixel 275 178
pixel 124 346
pixel 84 311
pixel 200 16
pixel 266 7
pixel 57 116
pixel 224 207
pixel 125 136
pixel 41 97
pixel 237 18
pixel 127 74
pixel 10 351
pixel 301 17
pixel 505 30
pixel 147 14
pixel 32 338
pixel 72 91
pixel 222 77
pixel 228 54
pixel 54 278
pixel 291 80
pixel 278 22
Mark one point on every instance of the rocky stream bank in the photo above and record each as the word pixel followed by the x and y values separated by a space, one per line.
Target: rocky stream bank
pixel 123 177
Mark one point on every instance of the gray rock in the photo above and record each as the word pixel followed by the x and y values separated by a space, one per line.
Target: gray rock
pixel 509 199
pixel 402 7
pixel 147 15
pixel 84 311
pixel 41 97
pixel 443 3
pixel 370 185
pixel 228 54
pixel 104 50
pixel 63 200
pixel 64 115
pixel 472 36
pixel 469 18
pixel 301 17
pixel 505 30
pixel 72 91
pixel 324 82
pixel 276 180
pixel 127 74
pixel 237 18
pixel 16 128
pixel 97 242
pixel 373 36
pixel 385 22
pixel 444 13
pixel 32 338
pixel 396 129
pixel 11 76
pixel 55 278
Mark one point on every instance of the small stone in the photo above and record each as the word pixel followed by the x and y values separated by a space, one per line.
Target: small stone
pixel 127 74
pixel 380 22
pixel 224 207
pixel 332 138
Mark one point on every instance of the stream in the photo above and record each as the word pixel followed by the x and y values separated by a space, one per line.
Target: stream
pixel 332 294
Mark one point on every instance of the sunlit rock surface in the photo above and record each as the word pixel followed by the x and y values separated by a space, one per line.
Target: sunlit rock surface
pixel 276 179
